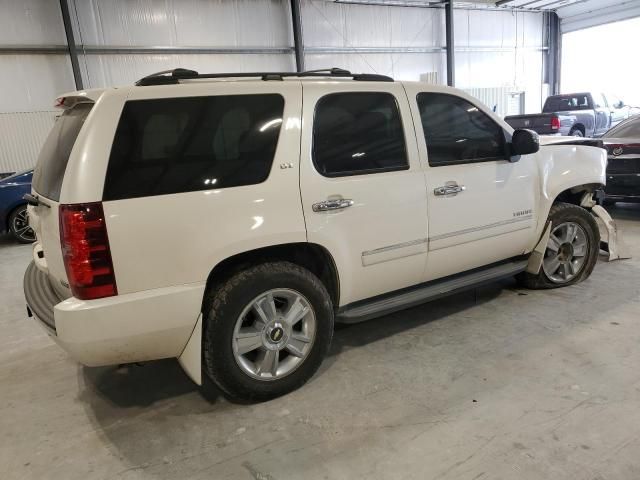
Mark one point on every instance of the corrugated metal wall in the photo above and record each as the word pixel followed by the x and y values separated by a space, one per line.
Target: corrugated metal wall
pixel 29 83
pixel 402 42
pixel 494 49
pixel 221 24
pixel 502 100
pixel 22 136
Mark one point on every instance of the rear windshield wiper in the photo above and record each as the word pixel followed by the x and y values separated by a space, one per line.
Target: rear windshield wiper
pixel 35 201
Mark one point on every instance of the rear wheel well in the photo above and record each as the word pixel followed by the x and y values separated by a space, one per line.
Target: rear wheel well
pixel 311 256
pixel 579 126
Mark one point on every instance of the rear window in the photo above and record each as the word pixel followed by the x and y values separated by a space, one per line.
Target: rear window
pixel 560 103
pixel 177 145
pixel 52 162
pixel 628 129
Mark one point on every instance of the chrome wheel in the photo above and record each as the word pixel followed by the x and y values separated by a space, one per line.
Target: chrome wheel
pixel 566 252
pixel 20 226
pixel 274 334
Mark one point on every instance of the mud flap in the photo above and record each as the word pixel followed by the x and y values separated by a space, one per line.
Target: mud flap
pixel 537 256
pixel 191 357
pixel 614 245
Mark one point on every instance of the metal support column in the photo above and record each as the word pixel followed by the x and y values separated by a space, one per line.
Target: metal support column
pixel 296 22
pixel 451 57
pixel 552 57
pixel 71 44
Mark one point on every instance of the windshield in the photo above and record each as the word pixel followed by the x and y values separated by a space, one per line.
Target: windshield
pixel 22 176
pixel 628 129
pixel 52 162
pixel 560 103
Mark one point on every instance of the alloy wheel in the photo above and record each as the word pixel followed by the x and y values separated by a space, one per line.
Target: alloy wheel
pixel 274 334
pixel 20 226
pixel 566 252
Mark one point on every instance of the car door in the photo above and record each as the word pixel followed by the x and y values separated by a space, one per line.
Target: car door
pixel 481 205
pixel 362 185
pixel 602 112
pixel 618 111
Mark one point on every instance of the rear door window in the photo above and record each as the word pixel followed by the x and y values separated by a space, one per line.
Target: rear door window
pixel 175 145
pixel 356 133
pixel 54 156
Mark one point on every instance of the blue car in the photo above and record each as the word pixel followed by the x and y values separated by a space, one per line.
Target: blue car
pixel 13 209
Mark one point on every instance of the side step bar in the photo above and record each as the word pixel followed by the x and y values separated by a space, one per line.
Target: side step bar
pixel 389 303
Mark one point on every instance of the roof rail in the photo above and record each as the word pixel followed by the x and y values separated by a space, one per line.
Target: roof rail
pixel 168 77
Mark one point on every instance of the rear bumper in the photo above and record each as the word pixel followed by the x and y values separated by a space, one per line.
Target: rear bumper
pixel 127 328
pixel 41 297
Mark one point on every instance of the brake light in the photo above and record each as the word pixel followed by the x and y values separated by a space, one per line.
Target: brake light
pixel 555 123
pixel 85 251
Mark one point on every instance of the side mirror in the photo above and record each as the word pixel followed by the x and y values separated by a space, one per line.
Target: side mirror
pixel 619 104
pixel 524 142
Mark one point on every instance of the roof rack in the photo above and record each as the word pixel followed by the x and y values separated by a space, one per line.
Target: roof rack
pixel 168 77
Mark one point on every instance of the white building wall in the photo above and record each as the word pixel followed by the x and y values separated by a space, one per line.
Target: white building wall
pixel 501 49
pixel 221 24
pixel 367 38
pixel 29 83
pixel 494 50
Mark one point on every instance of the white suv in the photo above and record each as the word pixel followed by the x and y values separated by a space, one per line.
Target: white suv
pixel 229 220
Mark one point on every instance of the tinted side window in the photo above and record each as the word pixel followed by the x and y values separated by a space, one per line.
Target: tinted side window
pixel 356 133
pixel 177 145
pixel 54 156
pixel 458 132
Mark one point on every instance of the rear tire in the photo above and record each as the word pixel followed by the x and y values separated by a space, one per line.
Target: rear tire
pixel 576 132
pixel 267 329
pixel 572 250
pixel 19 225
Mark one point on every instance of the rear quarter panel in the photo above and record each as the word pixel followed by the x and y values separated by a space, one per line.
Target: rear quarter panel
pixel 177 239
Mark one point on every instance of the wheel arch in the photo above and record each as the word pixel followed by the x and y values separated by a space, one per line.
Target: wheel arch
pixel 315 258
pixel 579 126
pixel 576 195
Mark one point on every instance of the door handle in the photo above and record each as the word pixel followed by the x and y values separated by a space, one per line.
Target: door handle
pixel 449 189
pixel 337 204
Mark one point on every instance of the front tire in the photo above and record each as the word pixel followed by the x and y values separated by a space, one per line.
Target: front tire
pixel 266 331
pixel 572 249
pixel 19 225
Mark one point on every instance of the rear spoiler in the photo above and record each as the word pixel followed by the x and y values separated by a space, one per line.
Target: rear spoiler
pixel 68 100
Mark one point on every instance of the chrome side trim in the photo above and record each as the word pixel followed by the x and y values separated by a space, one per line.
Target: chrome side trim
pixel 395 246
pixel 483 227
pixel 491 235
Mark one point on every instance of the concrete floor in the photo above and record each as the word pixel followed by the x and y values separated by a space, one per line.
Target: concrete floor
pixel 494 384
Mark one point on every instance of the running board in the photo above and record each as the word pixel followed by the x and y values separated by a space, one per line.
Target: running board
pixel 406 298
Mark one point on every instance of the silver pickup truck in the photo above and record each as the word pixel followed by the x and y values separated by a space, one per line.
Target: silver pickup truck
pixel 574 114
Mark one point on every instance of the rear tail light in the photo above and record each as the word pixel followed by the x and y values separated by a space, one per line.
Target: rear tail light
pixel 555 123
pixel 85 250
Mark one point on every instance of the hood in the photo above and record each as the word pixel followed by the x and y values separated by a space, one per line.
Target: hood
pixel 19 178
